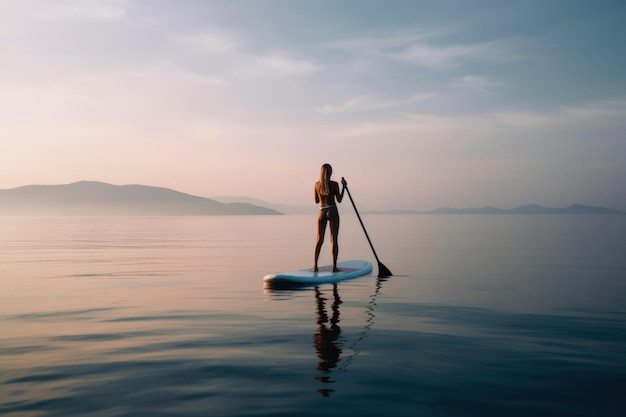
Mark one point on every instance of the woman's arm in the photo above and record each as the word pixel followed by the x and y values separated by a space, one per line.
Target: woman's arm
pixel 317 196
pixel 339 195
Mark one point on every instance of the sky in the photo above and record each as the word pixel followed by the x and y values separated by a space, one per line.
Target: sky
pixel 418 104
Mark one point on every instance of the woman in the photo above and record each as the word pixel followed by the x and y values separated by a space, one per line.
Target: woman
pixel 326 191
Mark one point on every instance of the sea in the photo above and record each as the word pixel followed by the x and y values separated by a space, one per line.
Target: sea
pixel 485 315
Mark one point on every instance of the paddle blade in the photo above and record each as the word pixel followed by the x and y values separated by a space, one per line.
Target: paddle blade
pixel 383 271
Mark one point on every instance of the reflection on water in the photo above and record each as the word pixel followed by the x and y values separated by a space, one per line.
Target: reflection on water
pixel 327 340
pixel 369 322
pixel 326 337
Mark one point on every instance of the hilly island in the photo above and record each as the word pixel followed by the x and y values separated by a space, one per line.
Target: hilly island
pixel 526 209
pixel 92 198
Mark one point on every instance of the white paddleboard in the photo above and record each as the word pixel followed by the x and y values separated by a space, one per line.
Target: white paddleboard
pixel 347 270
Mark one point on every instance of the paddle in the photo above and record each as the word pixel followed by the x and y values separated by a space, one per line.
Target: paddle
pixel 383 271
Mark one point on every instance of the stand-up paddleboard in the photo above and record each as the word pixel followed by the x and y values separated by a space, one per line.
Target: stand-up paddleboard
pixel 347 270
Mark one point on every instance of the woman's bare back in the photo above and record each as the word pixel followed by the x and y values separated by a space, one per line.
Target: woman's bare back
pixel 327 200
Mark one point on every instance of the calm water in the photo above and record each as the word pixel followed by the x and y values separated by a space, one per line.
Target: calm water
pixel 485 316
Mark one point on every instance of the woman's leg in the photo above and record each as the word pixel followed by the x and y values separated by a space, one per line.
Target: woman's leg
pixel 321 231
pixel 334 236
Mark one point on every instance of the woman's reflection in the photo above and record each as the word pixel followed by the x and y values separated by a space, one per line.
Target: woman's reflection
pixel 326 336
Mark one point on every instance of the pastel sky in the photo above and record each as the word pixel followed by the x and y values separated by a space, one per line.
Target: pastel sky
pixel 419 104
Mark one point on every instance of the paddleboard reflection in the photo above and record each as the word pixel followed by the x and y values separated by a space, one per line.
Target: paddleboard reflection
pixel 333 353
pixel 326 336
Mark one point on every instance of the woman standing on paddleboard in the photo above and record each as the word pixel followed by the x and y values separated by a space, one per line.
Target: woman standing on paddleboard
pixel 326 191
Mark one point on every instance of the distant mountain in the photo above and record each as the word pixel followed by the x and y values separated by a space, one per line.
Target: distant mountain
pixel 283 208
pixel 91 198
pixel 526 209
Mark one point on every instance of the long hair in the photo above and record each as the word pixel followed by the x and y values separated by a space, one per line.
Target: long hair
pixel 325 173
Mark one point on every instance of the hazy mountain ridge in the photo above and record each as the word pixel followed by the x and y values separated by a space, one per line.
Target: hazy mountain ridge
pixel 283 208
pixel 98 198
pixel 524 209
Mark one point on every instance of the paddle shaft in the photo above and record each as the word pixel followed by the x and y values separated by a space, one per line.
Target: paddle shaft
pixel 382 269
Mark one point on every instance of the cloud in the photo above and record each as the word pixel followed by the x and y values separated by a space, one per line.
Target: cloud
pixel 111 10
pixel 383 43
pixel 474 83
pixel 230 52
pixel 429 51
pixel 214 41
pixel 156 98
pixel 280 63
pixel 365 103
pixel 568 137
pixel 449 56
pixel 605 116
pixel 435 57
pixel 576 149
